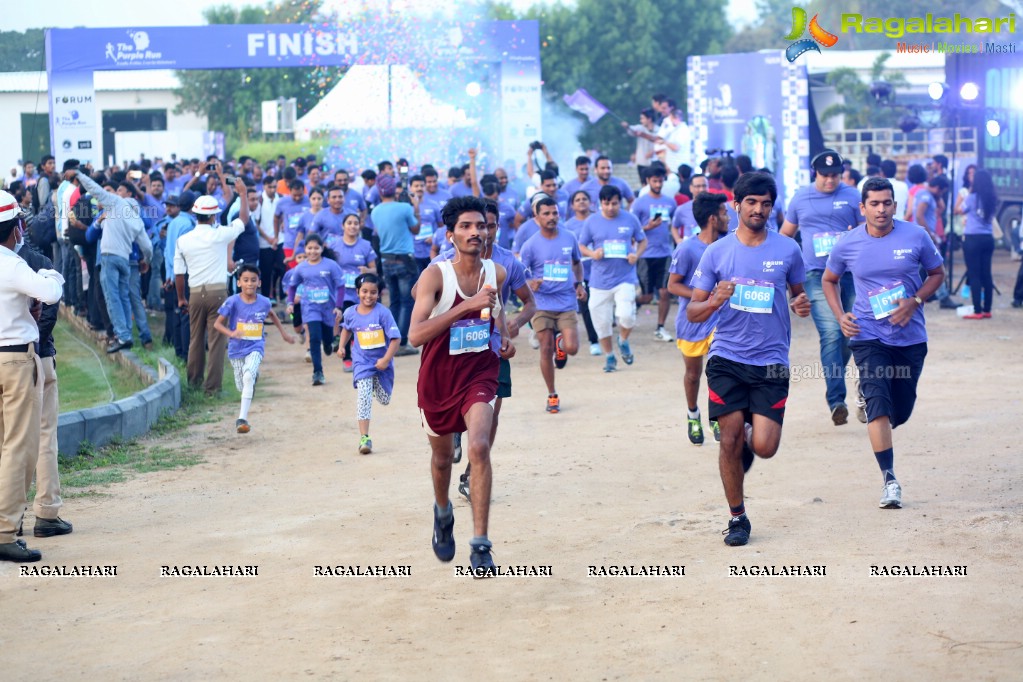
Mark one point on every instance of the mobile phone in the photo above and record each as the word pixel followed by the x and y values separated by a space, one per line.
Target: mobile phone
pixel 135 174
pixel 230 180
pixel 210 167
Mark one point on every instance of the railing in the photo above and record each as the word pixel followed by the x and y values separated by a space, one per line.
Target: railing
pixel 892 143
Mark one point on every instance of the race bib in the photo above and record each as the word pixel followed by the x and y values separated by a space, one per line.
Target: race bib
pixel 616 248
pixel 251 331
pixel 370 337
pixel 469 336
pixel 425 232
pixel 293 220
pixel 350 279
pixel 555 272
pixel 317 295
pixel 823 242
pixel 752 296
pixel 884 301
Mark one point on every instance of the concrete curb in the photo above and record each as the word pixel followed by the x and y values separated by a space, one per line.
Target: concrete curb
pixel 127 418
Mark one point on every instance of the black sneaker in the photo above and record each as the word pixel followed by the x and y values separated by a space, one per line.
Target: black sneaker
pixel 241 426
pixel 463 486
pixel 948 304
pixel 481 562
pixel 443 537
pixel 738 530
pixel 46 528
pixel 840 414
pixel 458 448
pixel 747 457
pixel 17 551
pixel 318 379
pixel 117 345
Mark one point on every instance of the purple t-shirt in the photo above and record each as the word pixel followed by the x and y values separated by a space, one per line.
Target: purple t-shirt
pixel 446 249
pixel 753 328
pixel 575 226
pixel 658 238
pixel 683 262
pixel 429 222
pixel 249 317
pixel 505 231
pixel 329 225
pixel 615 236
pixel 685 222
pixel 441 196
pixel 822 218
pixel 885 269
pixel 291 213
pixel 354 201
pixel 372 334
pixel 324 286
pixel 305 226
pixel 551 260
pixel 976 222
pixel 593 186
pixel 522 235
pixel 459 189
pixel 351 258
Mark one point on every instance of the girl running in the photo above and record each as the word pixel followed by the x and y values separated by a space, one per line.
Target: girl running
pixel 323 290
pixel 356 257
pixel 376 341
pixel 305 223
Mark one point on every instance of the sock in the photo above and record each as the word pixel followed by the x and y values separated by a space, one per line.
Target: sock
pixel 738 511
pixel 480 540
pixel 444 514
pixel 886 460
pixel 244 412
pixel 694 412
pixel 248 389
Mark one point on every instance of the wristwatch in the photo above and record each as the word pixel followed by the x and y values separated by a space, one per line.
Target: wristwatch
pixel 919 301
pixel 578 284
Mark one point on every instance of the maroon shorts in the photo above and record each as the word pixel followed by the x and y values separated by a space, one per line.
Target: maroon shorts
pixel 452 420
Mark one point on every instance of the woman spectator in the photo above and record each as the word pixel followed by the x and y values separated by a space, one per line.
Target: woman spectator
pixel 979 242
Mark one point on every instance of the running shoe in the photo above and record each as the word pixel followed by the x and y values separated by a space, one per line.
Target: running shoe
pixel 747 457
pixel 840 414
pixel 891 497
pixel 974 316
pixel 716 430
pixel 365 445
pixel 695 431
pixel 463 486
pixel 737 533
pixel 318 379
pixel 560 356
pixel 481 562
pixel 986 316
pixel 348 366
pixel 595 349
pixel 626 350
pixel 553 403
pixel 308 356
pixel 861 405
pixel 241 426
pixel 662 335
pixel 443 536
pixel 458 448
pixel 611 364
pixel 335 345
pixel 534 342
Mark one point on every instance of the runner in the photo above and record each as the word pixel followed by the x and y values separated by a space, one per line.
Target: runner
pixel 356 257
pixel 694 339
pixel 886 327
pixel 821 213
pixel 744 275
pixel 607 237
pixel 376 337
pixel 305 226
pixel 324 285
pixel 553 264
pixel 241 320
pixel 654 212
pixel 458 376
pixel 579 203
pixel 296 315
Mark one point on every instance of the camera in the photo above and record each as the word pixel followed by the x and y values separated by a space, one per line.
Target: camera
pixel 210 167
pixel 535 146
pixel 230 179
pixel 135 174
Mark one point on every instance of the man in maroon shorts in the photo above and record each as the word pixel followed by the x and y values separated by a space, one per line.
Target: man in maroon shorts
pixel 453 319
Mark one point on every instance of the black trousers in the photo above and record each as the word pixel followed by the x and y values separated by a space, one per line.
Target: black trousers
pixel 978 250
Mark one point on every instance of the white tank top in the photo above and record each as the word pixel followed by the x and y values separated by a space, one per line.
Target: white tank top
pixel 450 286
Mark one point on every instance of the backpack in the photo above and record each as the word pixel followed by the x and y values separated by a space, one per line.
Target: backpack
pixel 42 228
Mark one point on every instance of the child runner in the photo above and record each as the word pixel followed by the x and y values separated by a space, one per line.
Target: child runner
pixel 376 337
pixel 305 226
pixel 296 316
pixel 356 257
pixel 324 290
pixel 241 319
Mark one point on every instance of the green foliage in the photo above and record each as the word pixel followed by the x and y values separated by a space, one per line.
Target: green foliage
pixel 23 51
pixel 231 98
pixel 265 151
pixel 860 109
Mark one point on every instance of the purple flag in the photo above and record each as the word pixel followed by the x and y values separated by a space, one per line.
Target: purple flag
pixel 585 104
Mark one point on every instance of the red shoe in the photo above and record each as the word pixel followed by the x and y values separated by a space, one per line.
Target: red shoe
pixel 553 404
pixel 348 365
pixel 975 316
pixel 986 316
pixel 560 356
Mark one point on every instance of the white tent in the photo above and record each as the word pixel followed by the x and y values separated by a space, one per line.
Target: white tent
pixel 359 101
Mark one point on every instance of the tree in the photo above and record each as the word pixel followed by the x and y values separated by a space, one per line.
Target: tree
pixel 860 108
pixel 23 51
pixel 231 98
pixel 773 23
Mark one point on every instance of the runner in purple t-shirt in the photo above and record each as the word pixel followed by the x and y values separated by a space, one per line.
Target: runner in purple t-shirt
pixel 654 212
pixel 744 277
pixel 693 339
pixel 241 318
pixel 554 269
pixel 886 328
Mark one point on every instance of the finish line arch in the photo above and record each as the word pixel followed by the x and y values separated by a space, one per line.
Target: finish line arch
pixel 511 47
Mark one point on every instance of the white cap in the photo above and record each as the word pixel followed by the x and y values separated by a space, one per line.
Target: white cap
pixel 206 205
pixel 9 208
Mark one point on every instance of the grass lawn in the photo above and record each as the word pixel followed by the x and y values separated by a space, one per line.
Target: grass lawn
pixel 87 377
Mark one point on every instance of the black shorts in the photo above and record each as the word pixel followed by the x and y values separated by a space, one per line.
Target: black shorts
pixel 888 378
pixel 653 273
pixel 734 386
pixel 504 379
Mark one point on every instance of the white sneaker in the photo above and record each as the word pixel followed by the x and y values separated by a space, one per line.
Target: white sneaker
pixel 308 356
pixel 595 349
pixel 891 498
pixel 662 335
pixel 534 342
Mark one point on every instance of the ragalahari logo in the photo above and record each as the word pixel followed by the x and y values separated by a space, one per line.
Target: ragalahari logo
pixel 817 35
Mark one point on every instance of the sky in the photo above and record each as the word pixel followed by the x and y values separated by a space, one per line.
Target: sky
pixel 19 16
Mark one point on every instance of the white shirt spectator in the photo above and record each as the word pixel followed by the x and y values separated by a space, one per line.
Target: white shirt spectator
pixel 202 253
pixel 901 192
pixel 264 218
pixel 18 285
pixel 677 143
